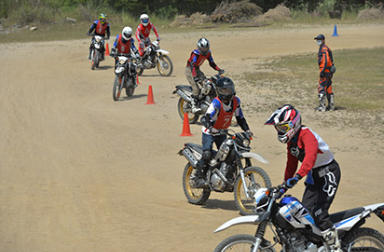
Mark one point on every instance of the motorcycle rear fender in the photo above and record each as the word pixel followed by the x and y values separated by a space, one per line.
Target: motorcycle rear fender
pixel 378 209
pixel 254 156
pixel 248 219
pixel 162 52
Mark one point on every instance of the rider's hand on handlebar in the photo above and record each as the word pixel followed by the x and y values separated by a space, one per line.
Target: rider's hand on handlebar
pixel 249 133
pixel 196 79
pixel 221 71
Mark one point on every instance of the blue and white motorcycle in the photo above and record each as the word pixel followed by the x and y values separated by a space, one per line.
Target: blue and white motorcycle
pixel 295 230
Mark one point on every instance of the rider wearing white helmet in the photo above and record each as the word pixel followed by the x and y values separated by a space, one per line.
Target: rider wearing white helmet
pixel 143 31
pixel 318 164
pixel 124 42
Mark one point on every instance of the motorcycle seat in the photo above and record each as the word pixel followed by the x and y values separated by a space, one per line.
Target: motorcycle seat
pixel 339 216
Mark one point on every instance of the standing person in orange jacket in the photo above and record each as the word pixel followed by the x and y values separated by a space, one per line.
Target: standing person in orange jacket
pixel 327 68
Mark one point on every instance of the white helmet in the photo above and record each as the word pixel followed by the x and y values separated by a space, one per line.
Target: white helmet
pixel 127 33
pixel 203 46
pixel 144 19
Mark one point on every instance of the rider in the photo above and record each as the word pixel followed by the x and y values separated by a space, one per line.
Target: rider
pixel 192 70
pixel 100 26
pixel 318 164
pixel 142 33
pixel 218 117
pixel 124 43
pixel 326 67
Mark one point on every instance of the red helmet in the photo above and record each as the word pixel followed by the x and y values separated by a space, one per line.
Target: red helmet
pixel 287 122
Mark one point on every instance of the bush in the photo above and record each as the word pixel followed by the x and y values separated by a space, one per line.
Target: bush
pixel 371 14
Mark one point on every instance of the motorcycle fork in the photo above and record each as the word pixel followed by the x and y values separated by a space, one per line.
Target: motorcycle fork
pixel 259 235
pixel 242 175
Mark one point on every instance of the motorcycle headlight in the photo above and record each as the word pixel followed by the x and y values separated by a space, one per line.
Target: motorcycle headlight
pixel 97 46
pixel 246 142
pixel 119 70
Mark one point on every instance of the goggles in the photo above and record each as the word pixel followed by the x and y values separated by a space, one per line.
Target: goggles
pixel 102 20
pixel 225 91
pixel 145 20
pixel 284 127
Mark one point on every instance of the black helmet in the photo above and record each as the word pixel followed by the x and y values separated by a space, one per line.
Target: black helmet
pixel 203 46
pixel 225 89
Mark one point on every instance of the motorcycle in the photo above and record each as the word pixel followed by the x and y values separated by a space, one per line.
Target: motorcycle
pixel 125 75
pixel 154 56
pixel 230 170
pixel 207 93
pixel 97 51
pixel 295 229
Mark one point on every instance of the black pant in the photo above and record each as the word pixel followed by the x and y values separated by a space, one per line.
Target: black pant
pixel 318 196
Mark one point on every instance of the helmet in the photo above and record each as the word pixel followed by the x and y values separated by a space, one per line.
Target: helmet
pixel 203 46
pixel 126 33
pixel 102 18
pixel 225 89
pixel 144 19
pixel 287 122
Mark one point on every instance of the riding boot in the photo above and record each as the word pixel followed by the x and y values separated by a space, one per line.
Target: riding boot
pixel 321 106
pixel 194 103
pixel 198 178
pixel 332 239
pixel 331 102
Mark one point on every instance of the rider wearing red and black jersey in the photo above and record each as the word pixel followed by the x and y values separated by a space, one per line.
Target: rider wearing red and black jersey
pixel 192 70
pixel 101 28
pixel 318 164
pixel 143 31
pixel 219 117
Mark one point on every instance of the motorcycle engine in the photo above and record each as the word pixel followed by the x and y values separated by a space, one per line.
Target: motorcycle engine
pixel 299 244
pixel 217 183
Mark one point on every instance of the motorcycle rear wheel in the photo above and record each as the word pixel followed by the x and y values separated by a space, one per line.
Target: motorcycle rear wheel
pixel 364 239
pixel 196 196
pixel 117 85
pixel 241 242
pixel 192 118
pixel 255 178
pixel 164 65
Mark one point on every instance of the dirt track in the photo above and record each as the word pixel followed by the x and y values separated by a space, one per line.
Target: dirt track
pixel 79 172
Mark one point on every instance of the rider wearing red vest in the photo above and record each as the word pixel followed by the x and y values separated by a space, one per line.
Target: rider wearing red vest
pixel 143 31
pixel 219 117
pixel 101 27
pixel 124 43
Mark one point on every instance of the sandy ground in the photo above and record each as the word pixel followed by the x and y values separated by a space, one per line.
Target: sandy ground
pixel 80 172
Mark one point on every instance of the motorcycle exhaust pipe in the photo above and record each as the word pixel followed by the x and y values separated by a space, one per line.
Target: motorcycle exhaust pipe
pixel 184 95
pixel 190 157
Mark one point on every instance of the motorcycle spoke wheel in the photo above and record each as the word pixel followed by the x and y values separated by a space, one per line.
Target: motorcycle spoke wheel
pixel 365 239
pixel 182 104
pixel 255 178
pixel 239 243
pixel 197 196
pixel 164 65
pixel 93 58
pixel 117 86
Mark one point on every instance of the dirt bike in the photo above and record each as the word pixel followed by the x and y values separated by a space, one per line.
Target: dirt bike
pixel 97 51
pixel 154 56
pixel 294 228
pixel 125 75
pixel 230 170
pixel 208 92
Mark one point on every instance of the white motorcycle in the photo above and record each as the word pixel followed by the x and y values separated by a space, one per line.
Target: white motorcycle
pixel 156 57
pixel 295 230
pixel 97 51
pixel 125 75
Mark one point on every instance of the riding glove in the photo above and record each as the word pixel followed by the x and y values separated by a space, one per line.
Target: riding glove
pixel 292 181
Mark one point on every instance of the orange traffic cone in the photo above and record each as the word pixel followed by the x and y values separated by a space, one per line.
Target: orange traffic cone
pixel 186 129
pixel 150 96
pixel 107 49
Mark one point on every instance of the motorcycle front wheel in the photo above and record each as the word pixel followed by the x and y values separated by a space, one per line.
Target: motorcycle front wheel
pixel 130 89
pixel 164 65
pixel 196 196
pixel 364 239
pixel 241 242
pixel 192 118
pixel 255 178
pixel 117 85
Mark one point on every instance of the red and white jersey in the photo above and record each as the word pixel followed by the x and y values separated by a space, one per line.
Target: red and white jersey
pixel 308 148
pixel 142 32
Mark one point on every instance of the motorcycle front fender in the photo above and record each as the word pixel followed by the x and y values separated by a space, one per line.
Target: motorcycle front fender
pixel 249 219
pixel 162 52
pixel 255 156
